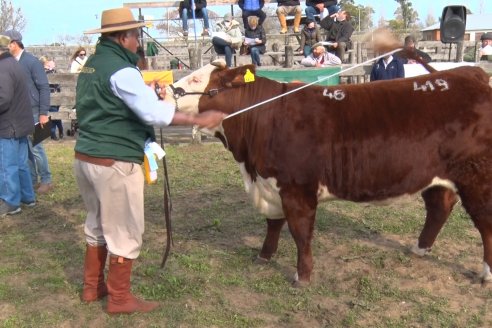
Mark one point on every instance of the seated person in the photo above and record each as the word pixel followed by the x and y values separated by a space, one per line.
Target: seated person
pixel 316 7
pixel 252 8
pixel 387 68
pixel 485 51
pixel 320 57
pixel 339 30
pixel 289 7
pixel 228 38
pixel 255 33
pixel 310 35
pixel 200 12
pixel 411 43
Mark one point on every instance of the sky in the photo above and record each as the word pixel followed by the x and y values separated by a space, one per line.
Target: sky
pixel 49 20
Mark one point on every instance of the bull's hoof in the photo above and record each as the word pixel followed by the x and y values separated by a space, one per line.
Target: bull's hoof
pixel 420 251
pixel 299 283
pixel 261 260
pixel 485 283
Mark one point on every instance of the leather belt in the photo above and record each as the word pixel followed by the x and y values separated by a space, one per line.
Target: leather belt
pixel 94 160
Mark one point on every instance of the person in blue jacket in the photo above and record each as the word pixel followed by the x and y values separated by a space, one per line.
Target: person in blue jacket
pixel 388 68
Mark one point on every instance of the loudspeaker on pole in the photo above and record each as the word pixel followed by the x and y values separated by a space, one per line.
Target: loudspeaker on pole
pixel 453 24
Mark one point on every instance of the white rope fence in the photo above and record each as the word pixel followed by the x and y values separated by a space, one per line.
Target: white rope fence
pixel 311 83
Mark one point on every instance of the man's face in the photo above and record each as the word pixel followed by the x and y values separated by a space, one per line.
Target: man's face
pixel 318 51
pixel 130 40
pixel 486 43
pixel 14 48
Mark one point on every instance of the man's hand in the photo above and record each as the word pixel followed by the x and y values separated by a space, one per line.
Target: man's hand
pixel 209 119
pixel 321 7
pixel 160 90
pixel 43 119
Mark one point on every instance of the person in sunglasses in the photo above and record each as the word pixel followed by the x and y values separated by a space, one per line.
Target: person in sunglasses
pixel 78 60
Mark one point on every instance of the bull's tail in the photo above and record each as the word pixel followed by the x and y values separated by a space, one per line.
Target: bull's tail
pixel 411 53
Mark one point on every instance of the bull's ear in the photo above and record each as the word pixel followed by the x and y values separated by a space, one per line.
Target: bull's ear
pixel 220 63
pixel 241 75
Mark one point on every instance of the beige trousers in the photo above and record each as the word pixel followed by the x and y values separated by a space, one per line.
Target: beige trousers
pixel 113 197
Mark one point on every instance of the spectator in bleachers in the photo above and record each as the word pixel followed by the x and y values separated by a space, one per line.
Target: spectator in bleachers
pixel 228 38
pixel 310 35
pixel 255 39
pixel 78 60
pixel 339 31
pixel 387 68
pixel 317 7
pixel 320 57
pixel 200 12
pixel 411 43
pixel 289 7
pixel 50 68
pixel 252 8
pixel 485 51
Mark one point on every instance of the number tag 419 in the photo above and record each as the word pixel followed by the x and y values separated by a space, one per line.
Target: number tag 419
pixel 438 84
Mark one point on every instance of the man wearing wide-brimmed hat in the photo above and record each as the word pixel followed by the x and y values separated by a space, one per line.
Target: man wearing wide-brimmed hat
pixel 115 112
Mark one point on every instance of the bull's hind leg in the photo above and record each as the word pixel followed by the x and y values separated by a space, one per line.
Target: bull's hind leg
pixel 477 200
pixel 439 202
pixel 270 243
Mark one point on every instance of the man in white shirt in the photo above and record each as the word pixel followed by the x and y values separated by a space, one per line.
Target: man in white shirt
pixel 320 57
pixel 486 48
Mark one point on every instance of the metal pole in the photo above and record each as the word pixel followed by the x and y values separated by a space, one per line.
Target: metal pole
pixel 194 21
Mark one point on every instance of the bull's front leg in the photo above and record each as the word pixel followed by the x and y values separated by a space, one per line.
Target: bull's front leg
pixel 300 212
pixel 439 202
pixel 270 244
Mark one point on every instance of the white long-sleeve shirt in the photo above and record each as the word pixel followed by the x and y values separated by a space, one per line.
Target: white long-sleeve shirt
pixel 128 85
pixel 327 59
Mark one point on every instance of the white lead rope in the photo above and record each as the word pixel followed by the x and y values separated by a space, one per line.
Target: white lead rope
pixel 311 83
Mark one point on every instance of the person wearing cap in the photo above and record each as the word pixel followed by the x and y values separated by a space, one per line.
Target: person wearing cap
pixel 16 123
pixel 317 7
pixel 116 112
pixel 228 38
pixel 320 57
pixel 486 48
pixel 310 35
pixel 252 8
pixel 339 31
pixel 39 89
pixel 289 7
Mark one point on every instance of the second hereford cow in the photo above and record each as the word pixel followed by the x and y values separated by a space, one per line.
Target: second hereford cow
pixel 430 134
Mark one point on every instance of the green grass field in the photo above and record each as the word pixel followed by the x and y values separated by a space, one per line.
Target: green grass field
pixel 364 274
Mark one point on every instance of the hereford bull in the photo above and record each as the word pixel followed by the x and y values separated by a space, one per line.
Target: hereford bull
pixel 364 143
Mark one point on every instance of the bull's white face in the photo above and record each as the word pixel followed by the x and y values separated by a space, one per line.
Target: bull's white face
pixel 195 82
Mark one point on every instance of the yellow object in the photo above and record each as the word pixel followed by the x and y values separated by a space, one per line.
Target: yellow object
pixel 150 177
pixel 162 77
pixel 249 77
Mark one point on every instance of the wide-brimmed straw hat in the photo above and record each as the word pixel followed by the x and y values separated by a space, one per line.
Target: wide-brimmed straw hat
pixel 118 19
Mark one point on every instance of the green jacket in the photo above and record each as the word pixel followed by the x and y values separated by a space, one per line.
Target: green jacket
pixel 108 128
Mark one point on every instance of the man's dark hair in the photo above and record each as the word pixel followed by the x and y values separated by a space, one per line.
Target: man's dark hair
pixel 409 39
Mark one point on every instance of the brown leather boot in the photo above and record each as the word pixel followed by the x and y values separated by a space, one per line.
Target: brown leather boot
pixel 94 285
pixel 297 22
pixel 283 23
pixel 120 298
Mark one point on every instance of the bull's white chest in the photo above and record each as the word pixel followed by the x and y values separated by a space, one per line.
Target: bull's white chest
pixel 265 196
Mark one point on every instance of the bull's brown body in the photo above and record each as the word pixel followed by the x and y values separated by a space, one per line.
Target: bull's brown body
pixel 363 143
